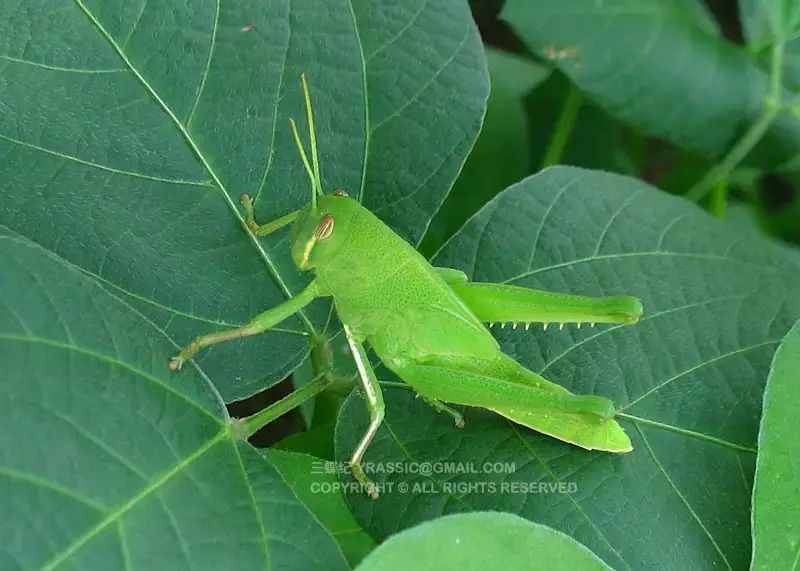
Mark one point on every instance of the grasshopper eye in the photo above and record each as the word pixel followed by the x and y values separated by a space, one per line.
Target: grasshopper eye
pixel 324 229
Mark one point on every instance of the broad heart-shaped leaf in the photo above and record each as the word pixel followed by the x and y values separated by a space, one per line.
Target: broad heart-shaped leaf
pixel 687 379
pixel 776 490
pixel 480 541
pixel 107 460
pixel 657 67
pixel 128 131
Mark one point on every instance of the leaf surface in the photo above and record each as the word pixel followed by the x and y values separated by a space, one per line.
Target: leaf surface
pixel 479 541
pixel 776 493
pixel 768 21
pixel 108 460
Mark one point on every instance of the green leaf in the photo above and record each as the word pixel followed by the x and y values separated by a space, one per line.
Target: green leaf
pixel 768 21
pixel 108 460
pixel 501 155
pixel 688 378
pixel 315 482
pixel 480 541
pixel 697 11
pixel 656 67
pixel 776 491
pixel 316 441
pixel 151 118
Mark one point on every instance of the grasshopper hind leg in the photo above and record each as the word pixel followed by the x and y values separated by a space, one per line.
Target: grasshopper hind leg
pixel 509 389
pixel 376 407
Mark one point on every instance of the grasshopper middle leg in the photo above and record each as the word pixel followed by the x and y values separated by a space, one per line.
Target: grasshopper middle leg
pixel 259 324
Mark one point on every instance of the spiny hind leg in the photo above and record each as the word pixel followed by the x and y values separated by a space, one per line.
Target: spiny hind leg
pixel 439 406
pixel 503 303
pixel 586 421
pixel 443 379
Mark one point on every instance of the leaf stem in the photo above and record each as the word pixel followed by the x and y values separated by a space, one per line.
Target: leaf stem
pixel 263 417
pixel 772 106
pixel 564 127
pixel 718 202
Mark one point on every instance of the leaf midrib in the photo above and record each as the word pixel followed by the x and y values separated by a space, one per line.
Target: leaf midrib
pixel 273 270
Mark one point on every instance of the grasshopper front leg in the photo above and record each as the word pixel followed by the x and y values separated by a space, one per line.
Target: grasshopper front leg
pixel 374 395
pixel 269 227
pixel 259 324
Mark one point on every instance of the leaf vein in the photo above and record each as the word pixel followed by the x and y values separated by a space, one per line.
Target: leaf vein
pixel 111 361
pixel 116 514
pixel 575 503
pixel 698 366
pixel 256 511
pixel 208 66
pixel 683 498
pixel 613 217
pixel 427 84
pixel 401 32
pixel 270 150
pixel 42 483
pixel 686 432
pixel 646 318
pixel 104 167
pixel 59 68
pixel 639 255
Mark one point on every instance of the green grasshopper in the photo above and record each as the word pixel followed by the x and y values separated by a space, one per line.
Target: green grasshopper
pixel 427 324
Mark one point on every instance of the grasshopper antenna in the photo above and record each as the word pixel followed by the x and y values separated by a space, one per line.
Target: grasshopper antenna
pixel 313 171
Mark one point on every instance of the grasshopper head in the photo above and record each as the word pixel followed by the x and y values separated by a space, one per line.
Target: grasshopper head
pixel 321 228
pixel 319 233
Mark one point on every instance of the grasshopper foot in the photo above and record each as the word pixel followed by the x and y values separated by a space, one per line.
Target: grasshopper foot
pixel 361 478
pixel 458 418
pixel 176 362
pixel 249 216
